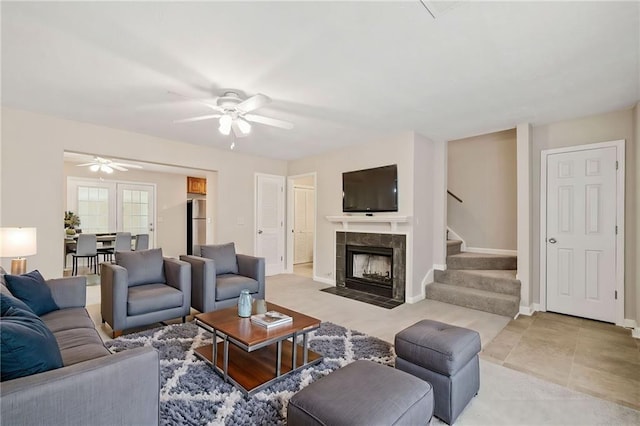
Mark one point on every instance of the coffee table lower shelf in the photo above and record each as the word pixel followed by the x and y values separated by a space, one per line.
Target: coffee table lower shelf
pixel 254 371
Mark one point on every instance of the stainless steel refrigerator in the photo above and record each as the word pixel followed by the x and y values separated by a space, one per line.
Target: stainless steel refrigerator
pixel 196 225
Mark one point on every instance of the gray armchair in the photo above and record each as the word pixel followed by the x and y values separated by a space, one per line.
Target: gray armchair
pixel 219 274
pixel 144 288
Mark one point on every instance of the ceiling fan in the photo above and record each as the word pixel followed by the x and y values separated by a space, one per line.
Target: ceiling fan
pixel 232 113
pixel 107 166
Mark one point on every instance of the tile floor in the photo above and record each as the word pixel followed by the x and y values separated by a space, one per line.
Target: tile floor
pixel 590 356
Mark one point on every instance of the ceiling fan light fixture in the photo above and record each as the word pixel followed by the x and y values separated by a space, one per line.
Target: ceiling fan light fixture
pixel 225 124
pixel 106 169
pixel 94 167
pixel 244 126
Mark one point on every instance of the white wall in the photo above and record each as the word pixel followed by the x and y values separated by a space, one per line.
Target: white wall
pixel 32 177
pixel 482 172
pixel 599 128
pixel 171 200
pixel 409 152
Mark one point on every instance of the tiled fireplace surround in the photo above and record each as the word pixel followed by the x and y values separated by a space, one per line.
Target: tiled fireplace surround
pixel 398 242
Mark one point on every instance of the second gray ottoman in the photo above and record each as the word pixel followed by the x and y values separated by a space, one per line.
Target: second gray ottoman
pixel 363 393
pixel 445 356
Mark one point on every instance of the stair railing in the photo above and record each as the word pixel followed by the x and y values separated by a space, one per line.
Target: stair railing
pixel 454 196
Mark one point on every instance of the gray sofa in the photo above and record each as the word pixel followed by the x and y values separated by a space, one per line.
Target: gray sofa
pixel 94 386
pixel 219 274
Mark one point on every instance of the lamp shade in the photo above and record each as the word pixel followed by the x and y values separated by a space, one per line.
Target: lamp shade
pixel 18 242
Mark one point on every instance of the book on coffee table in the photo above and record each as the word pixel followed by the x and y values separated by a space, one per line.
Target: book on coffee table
pixel 270 319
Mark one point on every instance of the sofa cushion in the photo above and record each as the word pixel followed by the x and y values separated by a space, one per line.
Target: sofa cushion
pixel 143 267
pixel 7 300
pixel 224 256
pixel 32 289
pixel 152 298
pixel 80 344
pixel 229 286
pixel 67 319
pixel 83 353
pixel 27 346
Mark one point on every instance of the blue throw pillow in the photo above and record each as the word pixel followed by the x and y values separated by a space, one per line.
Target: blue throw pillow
pixel 27 346
pixel 32 290
pixel 8 301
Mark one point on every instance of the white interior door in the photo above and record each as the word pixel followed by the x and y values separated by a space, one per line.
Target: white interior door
pixel 303 225
pixel 270 222
pixel 136 210
pixel 581 233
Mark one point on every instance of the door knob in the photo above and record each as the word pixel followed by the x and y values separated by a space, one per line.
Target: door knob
pixel 260 231
pixel 552 240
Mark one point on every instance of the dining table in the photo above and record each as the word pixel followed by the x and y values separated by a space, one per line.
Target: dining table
pixel 105 240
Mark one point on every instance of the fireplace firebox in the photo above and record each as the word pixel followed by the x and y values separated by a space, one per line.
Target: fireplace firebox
pixel 369 269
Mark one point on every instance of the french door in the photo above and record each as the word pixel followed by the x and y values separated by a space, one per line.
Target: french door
pixel 110 206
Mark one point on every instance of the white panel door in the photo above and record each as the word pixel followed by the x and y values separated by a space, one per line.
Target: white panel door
pixel 270 222
pixel 581 233
pixel 303 224
pixel 136 210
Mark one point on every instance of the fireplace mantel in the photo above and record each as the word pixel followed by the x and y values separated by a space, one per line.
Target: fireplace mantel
pixel 392 220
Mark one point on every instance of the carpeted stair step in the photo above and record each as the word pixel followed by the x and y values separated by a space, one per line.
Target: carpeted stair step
pixel 495 303
pixel 468 260
pixel 497 281
pixel 453 247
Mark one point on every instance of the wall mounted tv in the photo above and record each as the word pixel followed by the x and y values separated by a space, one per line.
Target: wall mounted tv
pixel 370 190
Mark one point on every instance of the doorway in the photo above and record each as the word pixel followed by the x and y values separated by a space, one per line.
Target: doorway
pixel 582 231
pixel 269 222
pixel 302 224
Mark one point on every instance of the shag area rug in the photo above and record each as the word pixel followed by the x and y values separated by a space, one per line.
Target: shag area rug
pixel 192 394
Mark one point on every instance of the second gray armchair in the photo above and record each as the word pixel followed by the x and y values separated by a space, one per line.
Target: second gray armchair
pixel 219 274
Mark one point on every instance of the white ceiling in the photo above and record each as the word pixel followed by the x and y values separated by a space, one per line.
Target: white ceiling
pixel 342 72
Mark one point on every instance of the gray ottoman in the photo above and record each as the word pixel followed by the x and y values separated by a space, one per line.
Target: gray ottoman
pixel 445 356
pixel 363 393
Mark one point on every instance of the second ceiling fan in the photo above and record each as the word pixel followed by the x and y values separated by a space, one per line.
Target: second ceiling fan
pixel 233 113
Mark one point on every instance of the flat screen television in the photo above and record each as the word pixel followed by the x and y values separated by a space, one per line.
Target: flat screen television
pixel 370 190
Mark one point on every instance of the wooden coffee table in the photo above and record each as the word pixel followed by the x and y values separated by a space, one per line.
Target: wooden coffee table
pixel 257 356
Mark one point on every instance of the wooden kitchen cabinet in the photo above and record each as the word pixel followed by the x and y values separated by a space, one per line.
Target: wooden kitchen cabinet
pixel 196 185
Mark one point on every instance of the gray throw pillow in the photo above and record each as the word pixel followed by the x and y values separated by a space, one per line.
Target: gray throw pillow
pixel 143 267
pixel 224 255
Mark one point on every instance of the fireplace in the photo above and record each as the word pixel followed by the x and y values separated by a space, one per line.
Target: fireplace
pixel 370 269
pixel 372 262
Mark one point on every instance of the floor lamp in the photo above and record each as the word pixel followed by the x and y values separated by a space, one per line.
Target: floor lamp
pixel 17 243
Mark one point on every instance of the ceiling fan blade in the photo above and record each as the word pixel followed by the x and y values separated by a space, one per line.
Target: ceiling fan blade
pixel 268 121
pixel 118 167
pixel 253 102
pixel 86 164
pixel 199 118
pixel 237 131
pixel 212 106
pixel 131 166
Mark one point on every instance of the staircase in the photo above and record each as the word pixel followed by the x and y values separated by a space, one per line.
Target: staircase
pixel 486 282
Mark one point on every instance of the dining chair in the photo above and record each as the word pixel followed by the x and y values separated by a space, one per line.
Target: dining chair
pixel 86 248
pixel 142 242
pixel 122 243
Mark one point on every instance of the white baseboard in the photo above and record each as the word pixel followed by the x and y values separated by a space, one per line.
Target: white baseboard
pixel 526 310
pixel 491 251
pixel 439 267
pixel 415 299
pixel 635 333
pixel 629 323
pixel 329 281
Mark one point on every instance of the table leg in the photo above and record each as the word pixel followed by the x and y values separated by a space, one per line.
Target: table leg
pixel 278 357
pixel 225 358
pixel 215 350
pixel 305 355
pixel 294 355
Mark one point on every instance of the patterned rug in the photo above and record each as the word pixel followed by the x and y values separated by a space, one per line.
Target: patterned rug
pixel 192 394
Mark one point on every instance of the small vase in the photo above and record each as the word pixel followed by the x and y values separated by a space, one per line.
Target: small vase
pixel 244 304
